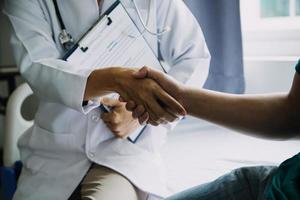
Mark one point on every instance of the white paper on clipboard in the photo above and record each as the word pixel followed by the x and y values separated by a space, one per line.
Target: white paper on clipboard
pixel 114 41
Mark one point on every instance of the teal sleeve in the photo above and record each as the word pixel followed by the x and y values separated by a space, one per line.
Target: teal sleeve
pixel 285 182
pixel 298 67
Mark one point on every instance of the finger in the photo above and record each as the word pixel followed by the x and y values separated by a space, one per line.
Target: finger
pixel 115 128
pixel 160 114
pixel 169 116
pixel 108 124
pixel 111 102
pixel 131 106
pixel 175 117
pixel 173 105
pixel 110 117
pixel 158 122
pixel 153 123
pixel 143 119
pixel 146 72
pixel 154 109
pixel 106 117
pixel 121 99
pixel 139 111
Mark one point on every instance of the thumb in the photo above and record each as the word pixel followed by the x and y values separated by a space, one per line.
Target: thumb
pixel 142 73
pixel 110 102
pixel 155 75
pixel 146 72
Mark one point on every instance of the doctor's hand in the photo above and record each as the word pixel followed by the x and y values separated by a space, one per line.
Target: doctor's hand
pixel 157 106
pixel 119 120
pixel 169 84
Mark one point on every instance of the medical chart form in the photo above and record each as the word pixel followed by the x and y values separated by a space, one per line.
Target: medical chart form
pixel 114 41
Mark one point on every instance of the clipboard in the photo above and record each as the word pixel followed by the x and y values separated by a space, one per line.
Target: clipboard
pixel 114 40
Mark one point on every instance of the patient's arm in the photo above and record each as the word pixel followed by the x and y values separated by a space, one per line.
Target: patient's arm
pixel 271 115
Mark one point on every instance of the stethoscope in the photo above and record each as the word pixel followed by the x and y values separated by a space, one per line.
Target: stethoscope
pixel 67 41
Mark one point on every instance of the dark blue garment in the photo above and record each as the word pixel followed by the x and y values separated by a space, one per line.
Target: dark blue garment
pixel 220 22
pixel 298 67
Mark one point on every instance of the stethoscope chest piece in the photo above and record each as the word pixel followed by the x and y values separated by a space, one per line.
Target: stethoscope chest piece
pixel 66 40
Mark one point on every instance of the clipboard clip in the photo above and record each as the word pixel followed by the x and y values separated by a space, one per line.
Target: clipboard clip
pixel 88 40
pixel 109 21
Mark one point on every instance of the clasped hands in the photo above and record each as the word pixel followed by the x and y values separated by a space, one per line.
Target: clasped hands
pixel 154 99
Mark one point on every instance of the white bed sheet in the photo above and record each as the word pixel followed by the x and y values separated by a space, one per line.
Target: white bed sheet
pixel 198 152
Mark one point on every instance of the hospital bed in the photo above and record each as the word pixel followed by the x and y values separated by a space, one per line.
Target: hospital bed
pixel 16 122
pixel 196 151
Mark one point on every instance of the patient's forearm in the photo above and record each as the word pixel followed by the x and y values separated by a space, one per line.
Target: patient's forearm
pixel 271 116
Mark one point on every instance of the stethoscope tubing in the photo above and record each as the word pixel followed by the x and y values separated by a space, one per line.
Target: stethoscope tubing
pixel 145 25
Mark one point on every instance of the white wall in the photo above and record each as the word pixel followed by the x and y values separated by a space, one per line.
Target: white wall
pixel 271 49
pixel 263 75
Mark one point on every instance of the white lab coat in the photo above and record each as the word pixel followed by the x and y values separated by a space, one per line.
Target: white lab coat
pixel 66 137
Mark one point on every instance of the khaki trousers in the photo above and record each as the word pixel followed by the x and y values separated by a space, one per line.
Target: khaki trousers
pixel 102 183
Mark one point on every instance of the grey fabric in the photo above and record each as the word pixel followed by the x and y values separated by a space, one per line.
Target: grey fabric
pixel 220 21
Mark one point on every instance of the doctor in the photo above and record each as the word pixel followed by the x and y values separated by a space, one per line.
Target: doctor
pixel 69 144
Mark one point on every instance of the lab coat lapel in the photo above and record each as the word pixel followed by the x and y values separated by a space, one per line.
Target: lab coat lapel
pixel 78 12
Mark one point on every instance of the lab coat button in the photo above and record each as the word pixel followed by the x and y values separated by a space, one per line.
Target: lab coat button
pixel 95 118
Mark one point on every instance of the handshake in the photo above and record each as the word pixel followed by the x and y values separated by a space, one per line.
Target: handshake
pixel 152 97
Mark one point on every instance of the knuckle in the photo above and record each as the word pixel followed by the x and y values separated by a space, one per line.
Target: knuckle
pixel 155 124
pixel 113 127
pixel 118 134
pixel 129 107
pixel 155 118
pixel 140 109
pixel 151 84
pixel 173 119
pixel 115 121
pixel 164 122
pixel 141 121
pixel 133 115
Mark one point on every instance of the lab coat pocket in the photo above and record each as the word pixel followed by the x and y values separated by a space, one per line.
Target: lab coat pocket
pixel 34 163
pixel 51 143
pixel 54 117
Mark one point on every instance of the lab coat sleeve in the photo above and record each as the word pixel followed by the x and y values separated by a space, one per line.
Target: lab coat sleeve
pixel 183 48
pixel 36 54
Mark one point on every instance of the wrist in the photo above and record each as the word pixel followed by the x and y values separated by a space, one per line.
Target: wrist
pixel 118 79
pixel 121 79
pixel 183 98
pixel 101 82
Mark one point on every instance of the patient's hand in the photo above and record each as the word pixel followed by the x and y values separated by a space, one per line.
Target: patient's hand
pixel 119 120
